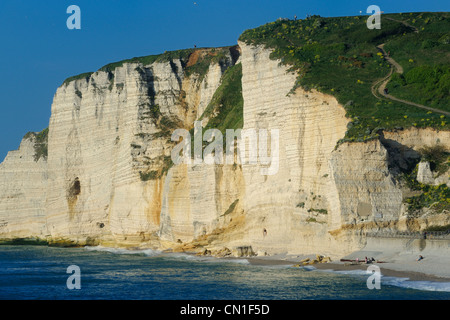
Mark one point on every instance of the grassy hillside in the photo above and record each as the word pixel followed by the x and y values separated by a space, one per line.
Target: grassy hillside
pixel 425 57
pixel 338 56
pixel 227 105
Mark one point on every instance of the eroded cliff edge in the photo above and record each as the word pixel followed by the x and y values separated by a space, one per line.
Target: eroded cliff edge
pixel 108 178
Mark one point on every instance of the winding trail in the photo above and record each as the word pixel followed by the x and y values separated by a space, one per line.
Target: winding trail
pixel 379 85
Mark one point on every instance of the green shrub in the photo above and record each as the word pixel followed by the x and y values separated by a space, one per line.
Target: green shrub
pixel 165 163
pixel 438 157
pixel 40 143
pixel 426 84
pixel 428 43
pixel 231 208
pixel 321 211
pixel 155 111
pixel 151 175
pixel 397 79
pixel 435 197
pixel 445 39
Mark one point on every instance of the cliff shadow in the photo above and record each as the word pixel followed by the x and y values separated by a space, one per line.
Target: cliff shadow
pixel 401 158
pixel 149 77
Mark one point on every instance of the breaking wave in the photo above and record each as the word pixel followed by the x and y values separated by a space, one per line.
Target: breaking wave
pixel 166 255
pixel 395 281
pixel 145 252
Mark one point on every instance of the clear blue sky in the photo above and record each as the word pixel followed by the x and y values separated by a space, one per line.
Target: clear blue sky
pixel 38 51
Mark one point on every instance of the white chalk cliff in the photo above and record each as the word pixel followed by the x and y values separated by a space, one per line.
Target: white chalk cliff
pixel 106 139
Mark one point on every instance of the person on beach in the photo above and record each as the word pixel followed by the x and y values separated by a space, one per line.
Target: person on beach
pixel 420 258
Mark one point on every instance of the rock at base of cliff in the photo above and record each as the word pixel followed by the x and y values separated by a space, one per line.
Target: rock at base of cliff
pixel 244 251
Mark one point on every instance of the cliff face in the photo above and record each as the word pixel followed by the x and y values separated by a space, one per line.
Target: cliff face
pixel 109 138
pixel 108 178
pixel 295 205
pixel 23 185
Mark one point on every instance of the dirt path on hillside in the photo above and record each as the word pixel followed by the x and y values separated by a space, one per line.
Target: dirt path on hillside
pixel 379 86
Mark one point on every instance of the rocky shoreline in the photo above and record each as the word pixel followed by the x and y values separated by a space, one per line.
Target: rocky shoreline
pixel 433 268
pixel 412 270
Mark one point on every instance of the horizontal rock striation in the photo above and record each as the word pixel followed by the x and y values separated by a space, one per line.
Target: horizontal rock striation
pixel 109 179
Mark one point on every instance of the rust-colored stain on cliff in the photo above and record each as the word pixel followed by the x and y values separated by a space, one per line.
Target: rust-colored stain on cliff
pixel 193 58
pixel 155 205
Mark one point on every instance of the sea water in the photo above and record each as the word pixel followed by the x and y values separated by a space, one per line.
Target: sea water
pixel 41 272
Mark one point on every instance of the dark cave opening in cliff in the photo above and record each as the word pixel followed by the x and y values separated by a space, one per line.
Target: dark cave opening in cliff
pixel 75 188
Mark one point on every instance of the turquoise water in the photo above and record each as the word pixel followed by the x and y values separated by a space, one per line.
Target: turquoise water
pixel 40 272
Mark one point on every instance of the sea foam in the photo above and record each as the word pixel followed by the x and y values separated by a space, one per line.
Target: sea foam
pixel 166 255
pixel 146 252
pixel 398 281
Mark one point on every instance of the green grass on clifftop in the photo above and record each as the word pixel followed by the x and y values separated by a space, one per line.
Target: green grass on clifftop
pixel 85 75
pixel 199 67
pixel 338 56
